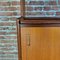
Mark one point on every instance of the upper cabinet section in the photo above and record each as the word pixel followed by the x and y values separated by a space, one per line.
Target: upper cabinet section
pixel 42 8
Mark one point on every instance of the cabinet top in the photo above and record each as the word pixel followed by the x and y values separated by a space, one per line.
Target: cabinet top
pixel 39 21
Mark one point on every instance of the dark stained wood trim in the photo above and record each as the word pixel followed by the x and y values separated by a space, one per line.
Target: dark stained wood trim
pixel 41 25
pixel 38 21
pixel 39 18
pixel 42 18
pixel 45 22
pixel 19 40
pixel 22 7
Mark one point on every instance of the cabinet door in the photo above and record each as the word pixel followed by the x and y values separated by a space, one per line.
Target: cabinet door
pixel 40 43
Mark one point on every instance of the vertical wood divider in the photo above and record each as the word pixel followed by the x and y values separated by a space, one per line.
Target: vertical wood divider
pixel 22 2
pixel 19 40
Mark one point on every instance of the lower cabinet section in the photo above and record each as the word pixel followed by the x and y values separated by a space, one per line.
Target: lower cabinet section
pixel 40 43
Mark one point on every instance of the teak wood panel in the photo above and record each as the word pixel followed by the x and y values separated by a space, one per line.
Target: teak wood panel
pixel 44 43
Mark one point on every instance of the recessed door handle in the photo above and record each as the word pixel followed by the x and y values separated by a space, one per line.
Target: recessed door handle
pixel 28 39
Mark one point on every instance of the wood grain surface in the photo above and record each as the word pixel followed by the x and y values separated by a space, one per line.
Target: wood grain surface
pixel 44 43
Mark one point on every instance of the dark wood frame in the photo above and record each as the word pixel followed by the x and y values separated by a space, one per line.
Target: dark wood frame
pixel 18 40
pixel 39 22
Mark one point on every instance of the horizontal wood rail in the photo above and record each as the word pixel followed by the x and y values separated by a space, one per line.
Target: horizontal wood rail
pixel 39 22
